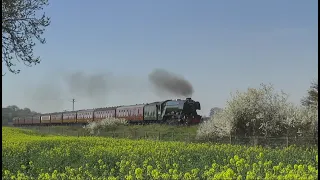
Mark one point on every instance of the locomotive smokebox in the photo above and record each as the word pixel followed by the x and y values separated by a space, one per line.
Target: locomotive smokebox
pixel 192 105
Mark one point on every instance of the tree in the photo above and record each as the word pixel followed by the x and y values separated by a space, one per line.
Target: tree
pixel 214 111
pixel 20 25
pixel 312 98
pixel 13 108
pixel 14 111
pixel 259 112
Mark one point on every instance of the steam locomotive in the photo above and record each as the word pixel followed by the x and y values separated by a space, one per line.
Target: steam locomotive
pixel 169 111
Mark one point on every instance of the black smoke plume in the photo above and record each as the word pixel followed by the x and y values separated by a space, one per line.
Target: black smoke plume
pixel 171 83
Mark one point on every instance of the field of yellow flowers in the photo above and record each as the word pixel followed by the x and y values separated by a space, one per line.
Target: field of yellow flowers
pixel 27 155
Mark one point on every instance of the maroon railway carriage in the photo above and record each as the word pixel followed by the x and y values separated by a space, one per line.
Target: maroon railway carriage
pixel 85 116
pixel 69 117
pixel 36 120
pixel 56 118
pixel 28 120
pixel 103 113
pixel 133 113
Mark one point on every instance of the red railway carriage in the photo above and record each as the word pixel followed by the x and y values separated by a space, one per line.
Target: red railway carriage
pixel 45 118
pixel 56 118
pixel 15 121
pixel 21 120
pixel 36 119
pixel 28 120
pixel 103 113
pixel 85 116
pixel 69 117
pixel 130 113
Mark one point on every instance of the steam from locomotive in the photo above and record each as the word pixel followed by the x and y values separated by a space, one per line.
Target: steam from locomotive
pixel 56 90
pixel 93 86
pixel 171 83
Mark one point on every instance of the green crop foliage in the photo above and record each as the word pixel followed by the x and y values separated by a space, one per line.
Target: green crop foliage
pixel 27 155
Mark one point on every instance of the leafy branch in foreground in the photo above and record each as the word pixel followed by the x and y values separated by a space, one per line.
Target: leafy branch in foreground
pixel 20 25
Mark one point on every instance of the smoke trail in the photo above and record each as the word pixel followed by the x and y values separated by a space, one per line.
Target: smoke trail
pixel 171 83
pixel 94 87
pixel 82 84
pixel 45 96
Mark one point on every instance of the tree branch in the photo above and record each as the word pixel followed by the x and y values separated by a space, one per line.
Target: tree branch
pixel 20 26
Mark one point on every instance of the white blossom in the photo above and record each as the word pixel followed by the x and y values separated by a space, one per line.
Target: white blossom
pixel 95 126
pixel 258 111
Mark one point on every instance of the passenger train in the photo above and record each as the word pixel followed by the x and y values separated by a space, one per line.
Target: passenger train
pixel 169 111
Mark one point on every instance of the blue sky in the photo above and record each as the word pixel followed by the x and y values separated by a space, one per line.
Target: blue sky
pixel 219 46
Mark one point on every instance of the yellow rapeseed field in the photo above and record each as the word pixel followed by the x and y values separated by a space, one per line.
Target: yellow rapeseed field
pixel 27 155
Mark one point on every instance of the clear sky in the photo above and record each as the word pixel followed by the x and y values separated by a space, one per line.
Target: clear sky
pixel 219 46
